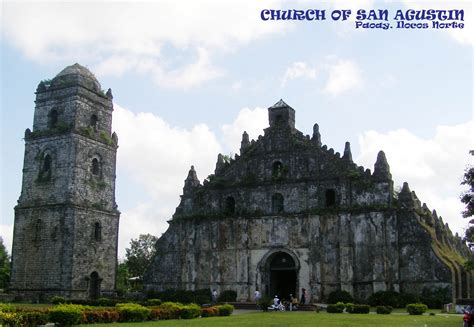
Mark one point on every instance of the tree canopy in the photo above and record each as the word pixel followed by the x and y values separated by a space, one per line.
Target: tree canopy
pixel 4 265
pixel 140 254
pixel 468 199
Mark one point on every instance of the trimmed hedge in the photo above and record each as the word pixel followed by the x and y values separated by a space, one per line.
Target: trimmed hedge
pixel 384 310
pixel 132 312
pixel 336 308
pixel 7 307
pixel 340 296
pixel 225 309
pixel 209 312
pixel 73 314
pixel 95 316
pixel 169 310
pixel 361 308
pixel 66 314
pixel 190 311
pixel 33 318
pixel 10 319
pixel 416 308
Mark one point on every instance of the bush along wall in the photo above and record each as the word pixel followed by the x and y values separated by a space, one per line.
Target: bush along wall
pixel 74 314
pixel 416 308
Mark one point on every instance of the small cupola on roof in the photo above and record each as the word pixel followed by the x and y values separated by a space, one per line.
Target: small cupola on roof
pixel 76 75
pixel 281 115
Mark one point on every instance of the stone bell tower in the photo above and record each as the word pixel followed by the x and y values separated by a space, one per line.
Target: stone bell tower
pixel 66 221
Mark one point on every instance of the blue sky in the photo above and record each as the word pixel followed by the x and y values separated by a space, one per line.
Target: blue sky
pixel 189 78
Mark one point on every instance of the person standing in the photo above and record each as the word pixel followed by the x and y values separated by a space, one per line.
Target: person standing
pixel 303 296
pixel 214 296
pixel 257 295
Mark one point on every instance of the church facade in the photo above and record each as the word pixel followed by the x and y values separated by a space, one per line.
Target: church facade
pixel 66 221
pixel 289 213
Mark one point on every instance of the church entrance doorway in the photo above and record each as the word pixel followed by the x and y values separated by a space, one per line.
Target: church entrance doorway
pixel 283 272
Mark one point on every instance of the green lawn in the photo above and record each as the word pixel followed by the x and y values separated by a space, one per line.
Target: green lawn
pixel 300 319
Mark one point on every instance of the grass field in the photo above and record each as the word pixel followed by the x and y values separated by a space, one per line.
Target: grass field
pixel 301 319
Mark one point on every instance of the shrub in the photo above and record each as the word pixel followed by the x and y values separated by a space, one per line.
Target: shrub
pixel 7 307
pixel 10 319
pixel 228 296
pixel 153 302
pixel 156 314
pixel 435 297
pixel 384 310
pixel 361 308
pixel 33 318
pixel 190 311
pixel 95 316
pixel 335 308
pixel 340 296
pixel 209 312
pixel 225 309
pixel 169 310
pixel 163 314
pixel 416 308
pixel 349 307
pixel 57 300
pixel 66 314
pixel 174 306
pixel 131 312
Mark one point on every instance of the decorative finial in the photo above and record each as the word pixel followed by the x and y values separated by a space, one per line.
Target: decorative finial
pixel 245 142
pixel 109 94
pixel 381 168
pixel 316 136
pixel 347 151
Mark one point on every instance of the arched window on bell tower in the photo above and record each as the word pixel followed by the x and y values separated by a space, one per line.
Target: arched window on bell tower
pixel 53 118
pixel 46 164
pixel 97 231
pixel 95 167
pixel 45 168
pixel 93 121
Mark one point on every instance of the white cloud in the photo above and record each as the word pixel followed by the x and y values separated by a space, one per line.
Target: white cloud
pixel 170 151
pixel 344 75
pixel 183 77
pixel 299 69
pixel 432 167
pixel 251 121
pixel 157 158
pixel 148 37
